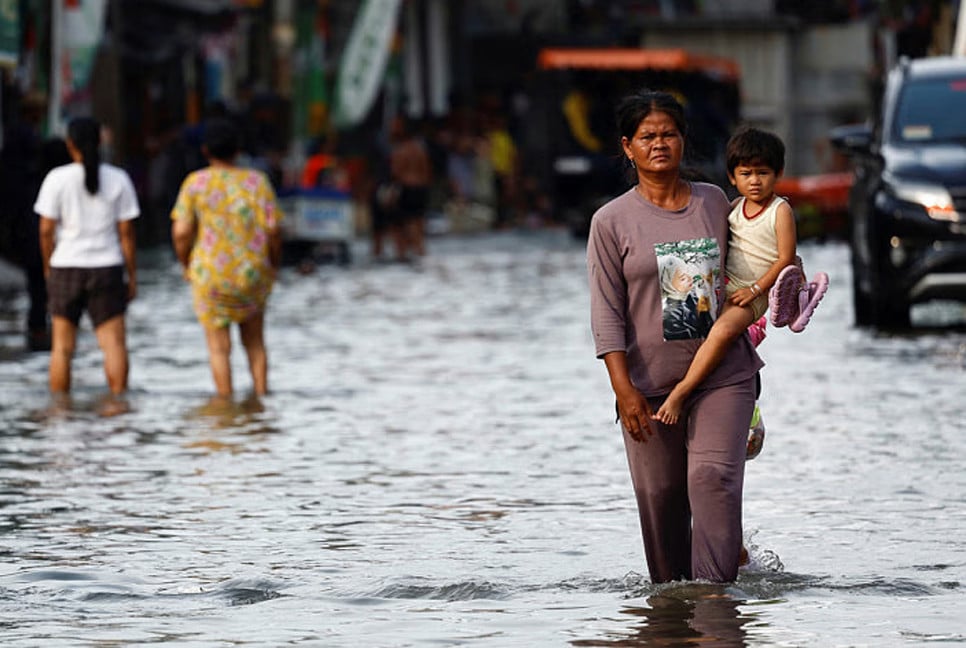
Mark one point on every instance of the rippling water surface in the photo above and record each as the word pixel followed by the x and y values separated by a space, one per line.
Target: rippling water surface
pixel 437 465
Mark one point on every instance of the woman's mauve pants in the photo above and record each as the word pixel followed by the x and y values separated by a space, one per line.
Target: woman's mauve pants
pixel 688 481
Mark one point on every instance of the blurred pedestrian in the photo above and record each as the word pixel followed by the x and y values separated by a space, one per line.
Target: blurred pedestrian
pixel 323 168
pixel 688 476
pixel 87 241
pixel 412 173
pixel 503 157
pixel 469 180
pixel 21 172
pixel 383 197
pixel 225 232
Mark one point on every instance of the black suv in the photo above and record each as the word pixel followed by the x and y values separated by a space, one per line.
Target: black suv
pixel 908 203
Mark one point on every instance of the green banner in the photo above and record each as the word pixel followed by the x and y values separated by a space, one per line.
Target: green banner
pixel 364 60
pixel 9 31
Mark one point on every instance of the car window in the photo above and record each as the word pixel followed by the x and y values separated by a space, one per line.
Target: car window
pixel 931 110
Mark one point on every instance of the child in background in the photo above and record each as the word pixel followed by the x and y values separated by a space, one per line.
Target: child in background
pixel 762 267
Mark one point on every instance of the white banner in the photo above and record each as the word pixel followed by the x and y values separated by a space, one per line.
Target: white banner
pixel 82 31
pixel 364 60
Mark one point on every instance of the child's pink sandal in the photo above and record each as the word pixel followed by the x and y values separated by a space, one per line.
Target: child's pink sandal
pixel 783 303
pixel 809 297
pixel 757 330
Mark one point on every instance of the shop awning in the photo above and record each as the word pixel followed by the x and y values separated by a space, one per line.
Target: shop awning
pixel 636 59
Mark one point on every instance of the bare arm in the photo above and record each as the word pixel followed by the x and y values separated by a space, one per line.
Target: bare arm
pixel 273 218
pixel 48 229
pixel 785 231
pixel 275 248
pixel 632 407
pixel 183 240
pixel 125 232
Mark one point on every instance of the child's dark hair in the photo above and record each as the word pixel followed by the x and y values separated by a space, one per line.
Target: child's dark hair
pixel 222 139
pixel 85 134
pixel 751 146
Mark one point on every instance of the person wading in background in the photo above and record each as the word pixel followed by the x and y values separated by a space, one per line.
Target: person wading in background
pixel 225 233
pixel 412 171
pixel 87 241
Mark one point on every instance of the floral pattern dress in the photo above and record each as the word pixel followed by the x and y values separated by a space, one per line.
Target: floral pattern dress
pixel 234 212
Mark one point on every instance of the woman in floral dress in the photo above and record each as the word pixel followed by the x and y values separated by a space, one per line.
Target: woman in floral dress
pixel 225 233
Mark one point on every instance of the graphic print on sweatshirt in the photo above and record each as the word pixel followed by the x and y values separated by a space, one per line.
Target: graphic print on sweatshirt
pixel 690 274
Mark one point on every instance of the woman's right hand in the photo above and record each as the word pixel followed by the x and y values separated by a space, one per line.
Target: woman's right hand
pixel 634 410
pixel 635 414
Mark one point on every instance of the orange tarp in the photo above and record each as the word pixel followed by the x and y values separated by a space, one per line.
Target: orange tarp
pixel 827 191
pixel 636 59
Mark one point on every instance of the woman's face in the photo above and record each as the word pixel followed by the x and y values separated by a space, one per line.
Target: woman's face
pixel 657 145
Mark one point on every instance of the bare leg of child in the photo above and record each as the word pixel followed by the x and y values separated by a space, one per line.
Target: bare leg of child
pixel 734 320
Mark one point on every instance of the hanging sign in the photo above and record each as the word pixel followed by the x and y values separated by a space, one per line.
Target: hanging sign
pixel 364 61
pixel 83 29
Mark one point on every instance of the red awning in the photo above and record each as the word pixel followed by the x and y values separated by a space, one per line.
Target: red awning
pixel 636 59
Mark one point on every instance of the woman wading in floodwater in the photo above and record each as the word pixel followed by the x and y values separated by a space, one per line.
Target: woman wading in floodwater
pixel 688 476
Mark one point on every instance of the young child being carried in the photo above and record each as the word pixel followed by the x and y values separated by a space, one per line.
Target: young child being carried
pixel 762 267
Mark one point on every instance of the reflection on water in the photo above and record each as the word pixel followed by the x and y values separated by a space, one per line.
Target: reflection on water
pixel 682 615
pixel 437 464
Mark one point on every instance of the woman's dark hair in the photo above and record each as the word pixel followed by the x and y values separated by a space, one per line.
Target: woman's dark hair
pixel 85 134
pixel 752 146
pixel 633 108
pixel 222 139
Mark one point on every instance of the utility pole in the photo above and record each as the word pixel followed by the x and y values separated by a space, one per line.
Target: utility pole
pixel 959 43
pixel 56 86
pixel 117 113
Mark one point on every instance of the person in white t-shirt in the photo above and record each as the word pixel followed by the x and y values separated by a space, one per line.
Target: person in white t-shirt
pixel 87 242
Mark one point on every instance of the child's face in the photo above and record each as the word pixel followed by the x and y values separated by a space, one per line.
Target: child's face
pixel 756 182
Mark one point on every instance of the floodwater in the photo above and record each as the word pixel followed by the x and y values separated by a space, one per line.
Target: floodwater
pixel 438 465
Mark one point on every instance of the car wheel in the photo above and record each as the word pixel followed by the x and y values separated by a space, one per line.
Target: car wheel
pixel 861 303
pixel 891 313
pixel 887 307
pixel 863 276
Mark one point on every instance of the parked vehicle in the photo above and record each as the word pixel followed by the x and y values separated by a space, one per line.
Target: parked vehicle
pixel 907 227
pixel 577 94
pixel 820 201
pixel 316 220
